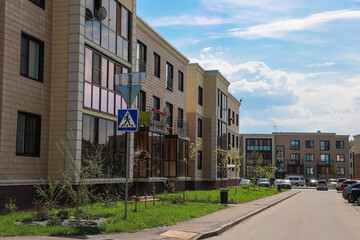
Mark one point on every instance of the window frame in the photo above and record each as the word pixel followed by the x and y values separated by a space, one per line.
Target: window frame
pixel 337 159
pixel 199 160
pixel 169 79
pixel 40 69
pixel 309 154
pixel 37 145
pixel 308 144
pixel 157 65
pixel 200 96
pixel 180 81
pixel 326 147
pixel 295 146
pixel 200 127
pixel 339 145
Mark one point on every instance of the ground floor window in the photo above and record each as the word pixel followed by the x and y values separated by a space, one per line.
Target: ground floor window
pixel 340 171
pixel 309 170
pixel 101 140
pixel 28 134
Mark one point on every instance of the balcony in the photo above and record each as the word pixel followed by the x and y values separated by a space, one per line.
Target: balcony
pixel 295 162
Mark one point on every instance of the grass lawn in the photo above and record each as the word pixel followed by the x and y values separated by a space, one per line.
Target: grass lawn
pixel 162 214
pixel 235 196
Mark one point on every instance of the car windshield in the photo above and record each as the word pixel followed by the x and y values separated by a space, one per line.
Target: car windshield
pixel 322 182
pixel 334 181
pixel 263 180
pixel 245 181
pixel 285 181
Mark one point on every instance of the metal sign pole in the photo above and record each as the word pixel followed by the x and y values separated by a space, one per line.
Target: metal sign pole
pixel 127 152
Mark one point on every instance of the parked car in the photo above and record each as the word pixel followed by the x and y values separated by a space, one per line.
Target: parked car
pixel 313 183
pixel 245 181
pixel 347 192
pixel 355 194
pixel 264 182
pixel 285 184
pixel 296 180
pixel 331 182
pixel 322 185
pixel 346 183
pixel 339 182
pixel 277 182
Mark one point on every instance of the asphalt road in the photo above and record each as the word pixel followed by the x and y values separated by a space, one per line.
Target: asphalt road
pixel 311 214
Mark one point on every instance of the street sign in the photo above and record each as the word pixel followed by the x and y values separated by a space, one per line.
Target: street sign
pixel 127 120
pixel 281 169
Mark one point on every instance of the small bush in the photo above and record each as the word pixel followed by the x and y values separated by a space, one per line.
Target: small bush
pixel 62 214
pixel 41 213
pixel 10 206
pixel 53 222
pixel 176 199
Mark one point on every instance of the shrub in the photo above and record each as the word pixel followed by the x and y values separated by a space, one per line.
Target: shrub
pixel 10 206
pixel 41 213
pixel 51 193
pixel 176 199
pixel 63 214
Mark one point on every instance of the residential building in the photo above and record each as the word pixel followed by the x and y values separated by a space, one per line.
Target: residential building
pixel 163 132
pixel 313 155
pixel 210 111
pixel 356 159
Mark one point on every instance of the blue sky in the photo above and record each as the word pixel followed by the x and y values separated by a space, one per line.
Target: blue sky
pixel 295 63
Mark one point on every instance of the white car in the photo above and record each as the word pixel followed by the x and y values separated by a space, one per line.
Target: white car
pixel 296 180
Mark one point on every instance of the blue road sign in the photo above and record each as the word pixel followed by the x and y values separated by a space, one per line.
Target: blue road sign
pixel 281 169
pixel 127 120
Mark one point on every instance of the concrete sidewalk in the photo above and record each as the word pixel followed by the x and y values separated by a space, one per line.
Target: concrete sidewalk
pixel 199 228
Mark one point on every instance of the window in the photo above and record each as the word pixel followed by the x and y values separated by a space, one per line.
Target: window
pixel 28 135
pixel 221 135
pixel 156 105
pixel 325 158
pixel 233 117
pixel 169 76
pixel 200 95
pixel 32 58
pixel 229 114
pixel 169 119
pixel 309 170
pixel 112 33
pixel 233 141
pixel 199 159
pixel 279 155
pixel 295 145
pixel 140 57
pixel 181 81
pixel 140 101
pixel 40 3
pixel 340 171
pixel 310 144
pixel 237 119
pixel 258 145
pixel 181 123
pixel 222 105
pixel 340 144
pixel 324 145
pixel 99 90
pixel 340 157
pixel 229 141
pixel 156 65
pixel 294 156
pixel 237 141
pixel 309 157
pixel 199 128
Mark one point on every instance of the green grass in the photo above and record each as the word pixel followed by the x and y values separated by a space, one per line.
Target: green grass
pixel 235 196
pixel 162 214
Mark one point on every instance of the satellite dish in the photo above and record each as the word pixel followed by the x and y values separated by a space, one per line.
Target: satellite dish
pixel 166 110
pixel 88 15
pixel 102 13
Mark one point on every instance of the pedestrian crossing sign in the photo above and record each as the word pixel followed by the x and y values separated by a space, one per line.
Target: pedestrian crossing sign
pixel 127 120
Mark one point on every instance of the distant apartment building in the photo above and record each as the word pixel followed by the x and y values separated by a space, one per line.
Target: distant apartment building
pixel 313 155
pixel 213 115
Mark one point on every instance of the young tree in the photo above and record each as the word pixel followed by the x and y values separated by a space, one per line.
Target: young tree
pixel 222 164
pixel 235 158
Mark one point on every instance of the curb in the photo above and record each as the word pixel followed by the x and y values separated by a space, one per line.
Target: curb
pixel 231 224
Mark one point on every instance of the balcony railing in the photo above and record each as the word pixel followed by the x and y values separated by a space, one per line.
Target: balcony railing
pixel 295 162
pixel 140 65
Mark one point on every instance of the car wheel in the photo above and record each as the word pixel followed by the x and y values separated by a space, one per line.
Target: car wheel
pixel 296 184
pixel 358 201
pixel 350 200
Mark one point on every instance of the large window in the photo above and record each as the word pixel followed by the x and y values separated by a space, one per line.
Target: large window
pixel 32 58
pixel 169 76
pixel 200 95
pixel 140 101
pixel 156 65
pixel 222 105
pixel 325 158
pixel 324 145
pixel 40 3
pixel 295 145
pixel 237 119
pixel 340 157
pixel 294 156
pixel 199 160
pixel 99 89
pixel 310 144
pixel 112 33
pixel 169 119
pixel 156 105
pixel 221 135
pixel 340 171
pixel 28 135
pixel 340 144
pixel 309 157
pixel 140 57
pixel 280 155
pixel 200 135
pixel 258 145
pixel 100 135
pixel 309 170
pixel 181 81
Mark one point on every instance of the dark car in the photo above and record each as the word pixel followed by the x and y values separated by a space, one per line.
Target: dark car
pixel 322 185
pixel 355 194
pixel 346 183
pixel 347 192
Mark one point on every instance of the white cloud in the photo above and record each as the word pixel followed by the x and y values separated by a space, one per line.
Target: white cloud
pixel 201 20
pixel 279 28
pixel 325 64
pixel 326 101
